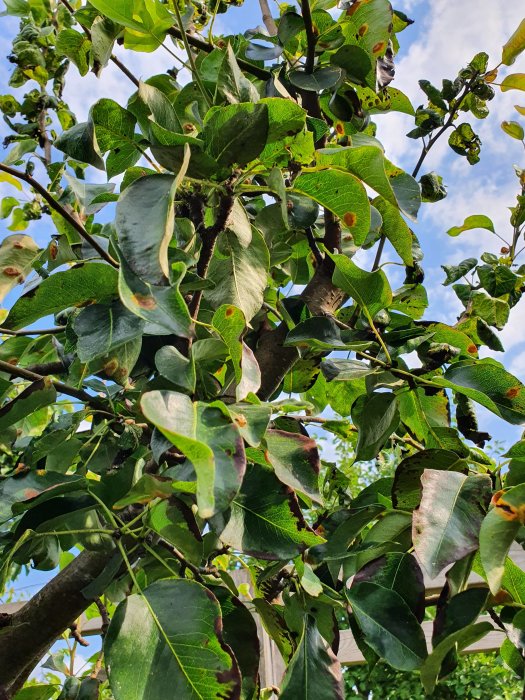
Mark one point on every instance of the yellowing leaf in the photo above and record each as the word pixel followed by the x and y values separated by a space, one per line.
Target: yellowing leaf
pixel 5 177
pixel 515 81
pixel 514 46
pixel 513 129
pixel 472 222
pixel 519 109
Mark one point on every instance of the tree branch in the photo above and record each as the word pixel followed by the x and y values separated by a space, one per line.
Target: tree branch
pixel 32 630
pixel 37 331
pixel 72 391
pixel 311 39
pixel 20 175
pixel 267 18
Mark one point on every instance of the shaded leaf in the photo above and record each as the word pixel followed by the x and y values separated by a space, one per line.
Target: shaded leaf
pixel 175 630
pixel 295 460
pixel 446 525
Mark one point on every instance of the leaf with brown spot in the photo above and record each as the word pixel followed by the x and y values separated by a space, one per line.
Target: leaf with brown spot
pixel 17 253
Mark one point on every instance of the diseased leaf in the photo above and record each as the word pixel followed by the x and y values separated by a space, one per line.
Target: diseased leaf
pixel 296 461
pixel 265 520
pixel 370 290
pixel 446 524
pixel 17 253
pixel 343 194
pixel 239 271
pixel 175 629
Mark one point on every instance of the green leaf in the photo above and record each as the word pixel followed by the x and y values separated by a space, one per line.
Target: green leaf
pixel 151 107
pixel 395 228
pixel 399 572
pixel 472 222
pixel 115 132
pixel 406 489
pixel 365 162
pixel 146 489
pixel 390 627
pixel 239 270
pixel 232 84
pixel 295 460
pixel 490 385
pixel 175 522
pixel 236 134
pixel 370 290
pixel 323 333
pixel 252 420
pixel 341 193
pixel 321 79
pixel 169 640
pixel 144 241
pixel 459 640
pixel 230 324
pixel 84 284
pixel 513 129
pixel 446 525
pixel 376 417
pixel 37 395
pixel 207 437
pixel 101 328
pixel 456 272
pixel 173 365
pixel 164 307
pixel 514 46
pixel 516 81
pixel 265 520
pixel 76 46
pixel 313 671
pixel 346 370
pixel 17 253
pixel 80 143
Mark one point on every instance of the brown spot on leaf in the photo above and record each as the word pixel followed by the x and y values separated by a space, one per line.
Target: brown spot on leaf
pixel 362 29
pixel 339 128
pixel 145 302
pixel 241 421
pixel 229 311
pixel 53 250
pixel 350 219
pixel 111 367
pixel 31 493
pixel 472 349
pixel 379 47
pixel 18 245
pixel 513 392
pixel 11 271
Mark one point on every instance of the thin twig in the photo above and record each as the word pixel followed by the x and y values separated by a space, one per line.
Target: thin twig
pixel 72 391
pixel 37 331
pixel 20 175
pixel 104 615
pixel 180 557
pixel 312 242
pixel 75 633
